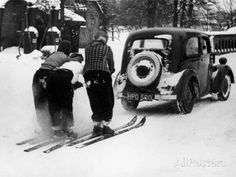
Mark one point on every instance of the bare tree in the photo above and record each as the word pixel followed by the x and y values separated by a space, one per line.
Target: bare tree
pixel 228 5
pixel 175 16
pixel 151 12
pixel 62 10
pixel 190 13
pixel 183 13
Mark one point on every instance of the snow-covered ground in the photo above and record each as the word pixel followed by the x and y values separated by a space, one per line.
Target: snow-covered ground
pixel 202 143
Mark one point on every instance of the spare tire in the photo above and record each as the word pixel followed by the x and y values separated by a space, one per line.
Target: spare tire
pixel 144 68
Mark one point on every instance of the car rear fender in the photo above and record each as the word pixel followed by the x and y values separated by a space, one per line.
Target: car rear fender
pixel 218 76
pixel 189 75
pixel 168 82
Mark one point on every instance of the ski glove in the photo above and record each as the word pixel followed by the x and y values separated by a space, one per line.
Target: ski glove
pixel 77 85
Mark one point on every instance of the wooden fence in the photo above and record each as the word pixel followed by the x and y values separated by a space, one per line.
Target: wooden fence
pixel 223 43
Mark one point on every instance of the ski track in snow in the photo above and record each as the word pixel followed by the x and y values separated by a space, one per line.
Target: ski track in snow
pixel 202 143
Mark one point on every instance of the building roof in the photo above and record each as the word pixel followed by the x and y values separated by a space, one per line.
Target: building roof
pixel 68 13
pixel 3 2
pixel 73 16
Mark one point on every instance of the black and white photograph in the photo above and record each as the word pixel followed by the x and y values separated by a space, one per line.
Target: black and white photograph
pixel 117 88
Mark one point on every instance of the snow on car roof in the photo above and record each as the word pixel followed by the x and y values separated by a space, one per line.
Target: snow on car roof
pixel 150 32
pixel 232 30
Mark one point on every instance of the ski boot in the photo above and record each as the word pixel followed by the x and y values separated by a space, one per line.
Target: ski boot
pixel 70 133
pixel 57 131
pixel 98 128
pixel 106 129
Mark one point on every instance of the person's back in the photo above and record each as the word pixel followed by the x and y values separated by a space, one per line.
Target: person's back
pixel 55 60
pixel 99 56
pixel 59 57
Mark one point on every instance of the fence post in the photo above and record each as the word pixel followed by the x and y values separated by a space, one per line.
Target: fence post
pixel 30 32
pixel 1 19
pixel 112 32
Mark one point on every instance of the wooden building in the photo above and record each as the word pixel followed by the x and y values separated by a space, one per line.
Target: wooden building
pixel 14 19
pixel 12 22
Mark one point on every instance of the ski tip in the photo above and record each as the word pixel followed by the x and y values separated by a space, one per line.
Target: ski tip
pixel 135 117
pixel 19 144
pixel 133 120
pixel 143 120
pixel 25 141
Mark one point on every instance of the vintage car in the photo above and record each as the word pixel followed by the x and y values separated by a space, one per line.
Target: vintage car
pixel 170 64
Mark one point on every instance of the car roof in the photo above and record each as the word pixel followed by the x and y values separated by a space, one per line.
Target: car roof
pixel 162 30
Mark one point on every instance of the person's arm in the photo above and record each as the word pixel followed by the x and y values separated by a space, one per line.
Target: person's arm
pixel 77 85
pixel 76 57
pixel 78 68
pixel 110 60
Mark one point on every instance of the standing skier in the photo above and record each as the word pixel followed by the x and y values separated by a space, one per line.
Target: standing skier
pixel 39 83
pixel 61 84
pixel 99 66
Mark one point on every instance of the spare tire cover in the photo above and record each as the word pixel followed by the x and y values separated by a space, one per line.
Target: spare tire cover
pixel 144 68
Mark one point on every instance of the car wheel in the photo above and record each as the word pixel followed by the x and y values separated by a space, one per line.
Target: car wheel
pixel 144 69
pixel 129 105
pixel 186 105
pixel 223 95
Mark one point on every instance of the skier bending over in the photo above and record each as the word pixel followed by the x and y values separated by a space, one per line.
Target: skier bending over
pixel 39 83
pixel 60 86
pixel 99 66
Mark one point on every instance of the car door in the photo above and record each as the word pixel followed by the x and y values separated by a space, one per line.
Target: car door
pixel 204 64
pixel 192 54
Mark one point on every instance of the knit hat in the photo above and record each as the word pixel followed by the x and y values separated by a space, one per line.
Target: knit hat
pixel 65 47
pixel 101 36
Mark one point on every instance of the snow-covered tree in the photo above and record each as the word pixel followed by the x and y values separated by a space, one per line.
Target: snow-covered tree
pixel 230 8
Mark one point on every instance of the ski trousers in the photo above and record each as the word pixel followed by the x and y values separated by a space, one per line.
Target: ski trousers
pixel 60 98
pixel 100 93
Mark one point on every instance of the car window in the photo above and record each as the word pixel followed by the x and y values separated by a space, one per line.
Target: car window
pixel 192 47
pixel 149 43
pixel 204 46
